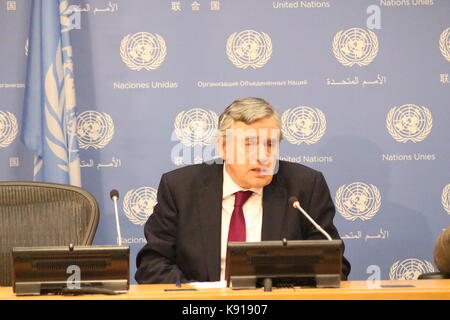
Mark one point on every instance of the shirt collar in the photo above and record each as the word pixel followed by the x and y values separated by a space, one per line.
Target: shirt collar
pixel 230 187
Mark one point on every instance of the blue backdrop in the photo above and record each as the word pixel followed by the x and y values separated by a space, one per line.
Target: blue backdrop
pixel 363 88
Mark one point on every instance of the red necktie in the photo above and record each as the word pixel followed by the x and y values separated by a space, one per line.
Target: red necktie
pixel 237 223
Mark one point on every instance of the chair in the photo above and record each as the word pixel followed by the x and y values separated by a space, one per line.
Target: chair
pixel 433 275
pixel 34 214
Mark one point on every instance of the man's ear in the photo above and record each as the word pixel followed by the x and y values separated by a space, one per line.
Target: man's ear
pixel 221 147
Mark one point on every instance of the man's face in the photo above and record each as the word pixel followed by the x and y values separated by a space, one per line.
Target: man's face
pixel 250 152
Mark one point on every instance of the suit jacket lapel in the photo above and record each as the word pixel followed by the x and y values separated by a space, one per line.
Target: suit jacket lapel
pixel 274 210
pixel 210 211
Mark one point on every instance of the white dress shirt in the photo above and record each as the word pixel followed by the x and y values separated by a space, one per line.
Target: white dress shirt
pixel 253 210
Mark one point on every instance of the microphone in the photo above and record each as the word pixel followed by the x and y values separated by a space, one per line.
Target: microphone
pixel 296 204
pixel 442 251
pixel 114 194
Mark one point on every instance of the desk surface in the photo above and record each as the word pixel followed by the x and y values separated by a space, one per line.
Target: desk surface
pixel 421 289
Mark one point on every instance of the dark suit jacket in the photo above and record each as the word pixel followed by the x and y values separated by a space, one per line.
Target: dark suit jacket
pixel 184 231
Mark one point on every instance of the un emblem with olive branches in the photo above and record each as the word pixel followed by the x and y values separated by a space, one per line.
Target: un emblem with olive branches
pixel 8 128
pixel 355 46
pixel 143 50
pixel 196 126
pixel 358 200
pixel 409 123
pixel 446 198
pixel 138 204
pixel 95 129
pixel 444 44
pixel 249 48
pixel 303 125
pixel 409 269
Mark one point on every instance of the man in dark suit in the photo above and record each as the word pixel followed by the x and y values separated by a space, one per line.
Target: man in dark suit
pixel 202 207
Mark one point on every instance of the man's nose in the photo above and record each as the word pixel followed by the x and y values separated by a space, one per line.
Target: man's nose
pixel 263 155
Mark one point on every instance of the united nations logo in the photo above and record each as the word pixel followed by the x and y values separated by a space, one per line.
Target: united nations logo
pixel 409 123
pixel 409 269
pixel 94 129
pixel 358 201
pixel 444 44
pixel 355 46
pixel 8 128
pixel 138 204
pixel 249 48
pixel 446 198
pixel 196 127
pixel 143 50
pixel 303 124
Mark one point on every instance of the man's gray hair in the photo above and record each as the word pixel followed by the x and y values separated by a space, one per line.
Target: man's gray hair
pixel 247 110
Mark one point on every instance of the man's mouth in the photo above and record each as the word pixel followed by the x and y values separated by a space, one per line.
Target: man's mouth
pixel 261 171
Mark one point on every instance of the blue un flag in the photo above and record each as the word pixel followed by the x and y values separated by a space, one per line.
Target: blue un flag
pixel 49 126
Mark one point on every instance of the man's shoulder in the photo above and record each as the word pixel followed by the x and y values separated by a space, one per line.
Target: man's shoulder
pixel 294 175
pixel 194 171
pixel 287 168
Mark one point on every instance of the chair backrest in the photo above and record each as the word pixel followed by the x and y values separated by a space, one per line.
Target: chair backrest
pixel 433 276
pixel 34 214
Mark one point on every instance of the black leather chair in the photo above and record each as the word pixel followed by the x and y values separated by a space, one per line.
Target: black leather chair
pixel 433 275
pixel 34 214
